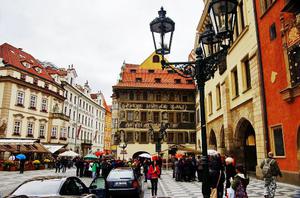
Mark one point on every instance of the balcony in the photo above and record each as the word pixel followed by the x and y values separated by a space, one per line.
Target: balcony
pixel 86 142
pixel 59 116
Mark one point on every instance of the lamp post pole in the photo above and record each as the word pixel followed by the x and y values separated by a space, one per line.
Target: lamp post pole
pixel 210 55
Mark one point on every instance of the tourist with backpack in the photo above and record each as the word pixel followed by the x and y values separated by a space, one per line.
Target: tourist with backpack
pixel 270 171
pixel 239 183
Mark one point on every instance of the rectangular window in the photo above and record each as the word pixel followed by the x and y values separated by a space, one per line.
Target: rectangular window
pixel 158 97
pixel 145 95
pixel 235 83
pixel 218 96
pixel 75 99
pixel 44 104
pixel 185 117
pixel 144 116
pixel 265 4
pixel 241 14
pixel 178 118
pixel 209 100
pixel 42 131
pixel 63 132
pixel 246 74
pixel 278 143
pixel 20 98
pixel 180 138
pixel 17 127
pixel 193 138
pixel 71 96
pixel 171 117
pixel 54 132
pixel 33 101
pixel 170 138
pixel 35 81
pixel 143 137
pixel 129 115
pixel 192 117
pixel 156 117
pixel 272 31
pixel 184 98
pixel 129 137
pixel 30 128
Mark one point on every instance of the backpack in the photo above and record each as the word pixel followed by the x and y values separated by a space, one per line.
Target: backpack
pixel 240 191
pixel 266 170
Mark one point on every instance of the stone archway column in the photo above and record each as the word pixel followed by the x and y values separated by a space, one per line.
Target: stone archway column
pixel 258 123
pixel 228 132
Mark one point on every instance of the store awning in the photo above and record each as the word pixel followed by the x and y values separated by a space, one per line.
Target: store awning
pixel 21 146
pixel 53 147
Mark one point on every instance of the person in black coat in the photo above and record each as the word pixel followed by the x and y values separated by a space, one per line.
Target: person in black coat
pixel 216 173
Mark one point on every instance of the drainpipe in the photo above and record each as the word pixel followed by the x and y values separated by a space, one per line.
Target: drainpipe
pixel 261 78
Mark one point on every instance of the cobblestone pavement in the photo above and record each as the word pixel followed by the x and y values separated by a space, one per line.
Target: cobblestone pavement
pixel 9 180
pixel 174 189
pixel 167 186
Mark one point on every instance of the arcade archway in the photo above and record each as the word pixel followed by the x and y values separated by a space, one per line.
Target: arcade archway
pixel 212 144
pixel 245 145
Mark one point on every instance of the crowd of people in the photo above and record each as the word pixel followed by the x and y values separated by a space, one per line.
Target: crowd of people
pixel 225 177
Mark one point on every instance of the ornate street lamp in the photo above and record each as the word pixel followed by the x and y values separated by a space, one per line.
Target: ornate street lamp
pixel 123 146
pixel 122 142
pixel 213 46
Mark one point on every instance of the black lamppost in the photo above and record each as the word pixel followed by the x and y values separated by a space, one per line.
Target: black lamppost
pixel 161 134
pixel 122 142
pixel 213 45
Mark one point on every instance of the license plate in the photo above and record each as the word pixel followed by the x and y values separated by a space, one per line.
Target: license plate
pixel 121 183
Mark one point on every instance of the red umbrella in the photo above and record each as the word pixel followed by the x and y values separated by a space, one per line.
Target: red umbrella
pixel 99 153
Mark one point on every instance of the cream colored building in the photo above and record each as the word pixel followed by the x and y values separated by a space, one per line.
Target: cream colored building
pixel 31 101
pixel 85 109
pixel 233 97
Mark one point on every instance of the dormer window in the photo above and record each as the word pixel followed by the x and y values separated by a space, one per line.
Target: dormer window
pixel 38 70
pixel 46 86
pixel 177 81
pixel 157 80
pixel 150 71
pixel 155 59
pixel 133 71
pixel 26 64
pixel 189 81
pixel 138 80
pixel 170 71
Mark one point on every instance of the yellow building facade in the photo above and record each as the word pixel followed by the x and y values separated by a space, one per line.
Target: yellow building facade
pixel 235 124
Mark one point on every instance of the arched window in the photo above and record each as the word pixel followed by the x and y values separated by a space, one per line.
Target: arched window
pixel 155 59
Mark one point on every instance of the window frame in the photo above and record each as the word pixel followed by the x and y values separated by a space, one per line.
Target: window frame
pixel 31 128
pixel 273 147
pixel 19 127
pixel 33 99
pixel 234 83
pixel 20 98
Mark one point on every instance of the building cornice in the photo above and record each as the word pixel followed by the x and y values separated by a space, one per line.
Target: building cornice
pixel 31 86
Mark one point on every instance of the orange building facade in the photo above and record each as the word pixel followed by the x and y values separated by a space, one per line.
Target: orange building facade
pixel 278 24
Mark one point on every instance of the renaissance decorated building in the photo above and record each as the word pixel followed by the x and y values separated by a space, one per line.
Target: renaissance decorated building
pixel 145 96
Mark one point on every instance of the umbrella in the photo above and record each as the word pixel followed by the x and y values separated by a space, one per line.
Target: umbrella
pixel 98 153
pixel 12 158
pixel 145 155
pixel 179 155
pixel 21 156
pixel 90 157
pixel 229 160
pixel 68 154
pixel 212 152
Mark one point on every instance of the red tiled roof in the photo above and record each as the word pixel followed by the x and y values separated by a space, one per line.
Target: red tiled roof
pixel 59 72
pixel 128 79
pixel 16 57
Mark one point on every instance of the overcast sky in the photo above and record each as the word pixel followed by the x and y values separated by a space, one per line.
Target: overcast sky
pixel 96 36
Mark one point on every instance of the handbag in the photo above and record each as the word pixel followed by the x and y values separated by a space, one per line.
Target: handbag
pixel 214 191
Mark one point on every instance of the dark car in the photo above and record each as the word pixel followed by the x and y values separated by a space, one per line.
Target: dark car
pixel 55 186
pixel 123 182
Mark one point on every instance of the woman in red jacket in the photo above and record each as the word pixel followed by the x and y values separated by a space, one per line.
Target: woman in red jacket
pixel 153 174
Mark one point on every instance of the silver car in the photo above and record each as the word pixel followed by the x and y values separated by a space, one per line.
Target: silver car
pixel 52 186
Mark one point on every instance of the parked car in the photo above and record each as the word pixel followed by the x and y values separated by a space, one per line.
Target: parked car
pixel 56 186
pixel 123 182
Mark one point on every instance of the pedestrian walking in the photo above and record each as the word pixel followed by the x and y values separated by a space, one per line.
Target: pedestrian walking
pixel 22 166
pixel 230 171
pixel 199 169
pixel 270 171
pixel 153 174
pixel 95 166
pixel 57 165
pixel 239 183
pixel 145 169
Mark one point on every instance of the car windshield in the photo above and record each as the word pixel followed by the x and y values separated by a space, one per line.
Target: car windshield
pixel 39 187
pixel 120 174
